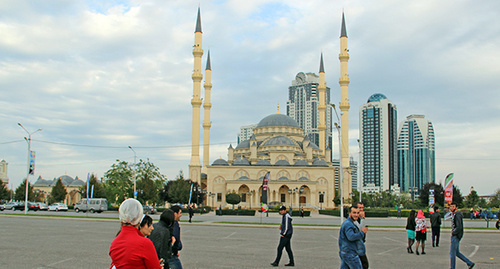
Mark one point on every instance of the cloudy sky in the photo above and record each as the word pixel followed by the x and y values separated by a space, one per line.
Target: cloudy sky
pixel 99 76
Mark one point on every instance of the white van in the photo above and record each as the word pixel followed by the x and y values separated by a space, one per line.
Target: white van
pixel 92 205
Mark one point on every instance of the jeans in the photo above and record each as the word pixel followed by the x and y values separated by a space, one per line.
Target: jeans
pixel 285 242
pixel 455 252
pixel 436 232
pixel 349 261
pixel 174 263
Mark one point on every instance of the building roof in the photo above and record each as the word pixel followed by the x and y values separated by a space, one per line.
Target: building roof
pixel 241 161
pixel 301 163
pixel 243 145
pixel 282 163
pixel 220 162
pixel 278 120
pixel 319 162
pixel 280 141
pixel 263 162
pixel 376 97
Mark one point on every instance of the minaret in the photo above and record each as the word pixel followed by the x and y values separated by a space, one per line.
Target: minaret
pixel 344 111
pixel 206 122
pixel 322 108
pixel 195 165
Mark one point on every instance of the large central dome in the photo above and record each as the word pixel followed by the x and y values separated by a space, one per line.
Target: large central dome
pixel 278 120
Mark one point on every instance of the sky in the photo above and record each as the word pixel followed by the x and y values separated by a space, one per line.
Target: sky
pixel 100 76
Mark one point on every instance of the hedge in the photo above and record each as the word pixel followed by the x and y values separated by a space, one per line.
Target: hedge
pixel 239 212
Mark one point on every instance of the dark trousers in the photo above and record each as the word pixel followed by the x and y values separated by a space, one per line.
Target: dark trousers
pixel 436 232
pixel 285 242
pixel 364 261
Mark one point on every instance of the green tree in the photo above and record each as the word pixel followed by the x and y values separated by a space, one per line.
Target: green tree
pixel 118 183
pixel 149 182
pixel 233 198
pixel 21 192
pixel 495 200
pixel 438 194
pixel 471 200
pixel 58 192
pixel 4 192
pixel 99 191
pixel 336 200
pixel 457 196
pixel 176 191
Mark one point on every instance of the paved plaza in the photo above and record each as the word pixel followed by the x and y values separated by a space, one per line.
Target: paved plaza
pixel 48 242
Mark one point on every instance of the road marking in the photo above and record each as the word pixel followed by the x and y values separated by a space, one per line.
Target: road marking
pixel 476 248
pixel 336 238
pixel 399 241
pixel 229 235
pixel 52 264
pixel 388 251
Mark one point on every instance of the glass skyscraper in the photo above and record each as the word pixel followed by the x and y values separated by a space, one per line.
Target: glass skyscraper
pixel 378 145
pixel 416 153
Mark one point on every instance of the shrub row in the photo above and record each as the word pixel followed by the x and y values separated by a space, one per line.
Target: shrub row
pixel 239 212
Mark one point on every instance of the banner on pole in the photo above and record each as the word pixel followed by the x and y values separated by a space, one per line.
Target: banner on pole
pixel 32 163
pixel 448 189
pixel 265 193
pixel 190 194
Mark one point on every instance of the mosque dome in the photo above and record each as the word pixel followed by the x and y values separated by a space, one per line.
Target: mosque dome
pixel 244 145
pixel 376 97
pixel 241 161
pixel 221 162
pixel 263 162
pixel 282 163
pixel 280 141
pixel 278 120
pixel 66 180
pixel 319 162
pixel 301 163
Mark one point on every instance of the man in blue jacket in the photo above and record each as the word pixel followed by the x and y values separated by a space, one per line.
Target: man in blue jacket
pixel 457 232
pixel 285 239
pixel 350 237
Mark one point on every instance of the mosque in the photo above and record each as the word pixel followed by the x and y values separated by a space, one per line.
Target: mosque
pixel 302 173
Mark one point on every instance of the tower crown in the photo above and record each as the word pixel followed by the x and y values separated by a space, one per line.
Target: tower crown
pixel 198 22
pixel 343 31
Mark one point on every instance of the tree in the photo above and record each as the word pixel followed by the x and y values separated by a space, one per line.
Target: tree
pixel 336 199
pixel 438 194
pixel 99 191
pixel 176 191
pixel 21 192
pixel 233 198
pixel 457 196
pixel 58 193
pixel 471 200
pixel 4 192
pixel 118 183
pixel 495 200
pixel 149 182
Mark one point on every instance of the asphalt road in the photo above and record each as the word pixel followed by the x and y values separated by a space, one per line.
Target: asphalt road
pixel 48 242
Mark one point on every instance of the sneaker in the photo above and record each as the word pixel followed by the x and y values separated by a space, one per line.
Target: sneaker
pixel 423 252
pixel 472 266
pixel 274 264
pixel 290 264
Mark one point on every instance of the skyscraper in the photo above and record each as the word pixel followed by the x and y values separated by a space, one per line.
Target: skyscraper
pixel 246 132
pixel 302 106
pixel 378 142
pixel 416 153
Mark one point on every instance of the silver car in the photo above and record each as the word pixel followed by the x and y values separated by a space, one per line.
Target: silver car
pixel 42 206
pixel 58 207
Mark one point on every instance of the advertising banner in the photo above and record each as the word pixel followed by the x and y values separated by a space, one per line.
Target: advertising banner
pixel 448 189
pixel 32 163
pixel 265 192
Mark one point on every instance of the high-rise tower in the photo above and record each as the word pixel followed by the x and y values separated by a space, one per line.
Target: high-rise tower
pixel 378 144
pixel 206 122
pixel 344 111
pixel 195 165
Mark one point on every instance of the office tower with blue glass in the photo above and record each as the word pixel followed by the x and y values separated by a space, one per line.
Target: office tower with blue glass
pixel 416 153
pixel 378 145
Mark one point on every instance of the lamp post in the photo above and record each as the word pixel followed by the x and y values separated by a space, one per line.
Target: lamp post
pixel 135 179
pixel 341 175
pixel 29 157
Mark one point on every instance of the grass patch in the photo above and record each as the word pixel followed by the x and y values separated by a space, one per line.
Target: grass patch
pixel 59 216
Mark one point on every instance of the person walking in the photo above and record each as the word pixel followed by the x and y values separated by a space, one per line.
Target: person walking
pixel 191 213
pixel 410 230
pixel 436 226
pixel 174 262
pixel 361 224
pixel 286 231
pixel 350 239
pixel 457 232
pixel 421 229
pixel 130 249
pixel 162 237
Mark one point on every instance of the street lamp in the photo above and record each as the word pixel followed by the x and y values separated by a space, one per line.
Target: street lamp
pixel 29 157
pixel 341 175
pixel 135 178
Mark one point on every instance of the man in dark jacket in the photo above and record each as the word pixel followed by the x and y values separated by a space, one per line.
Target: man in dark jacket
pixel 457 232
pixel 162 237
pixel 436 226
pixel 285 239
pixel 174 262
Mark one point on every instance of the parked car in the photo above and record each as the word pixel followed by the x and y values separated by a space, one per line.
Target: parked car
pixel 10 205
pixel 2 207
pixel 42 206
pixel 149 209
pixel 58 207
pixel 18 206
pixel 32 206
pixel 92 205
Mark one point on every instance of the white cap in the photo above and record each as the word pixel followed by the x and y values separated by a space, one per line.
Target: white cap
pixel 130 211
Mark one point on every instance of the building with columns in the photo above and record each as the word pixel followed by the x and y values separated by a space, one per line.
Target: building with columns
pixel 3 172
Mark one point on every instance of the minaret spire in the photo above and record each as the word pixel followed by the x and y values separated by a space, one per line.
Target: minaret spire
pixel 195 165
pixel 344 109
pixel 322 108
pixel 207 105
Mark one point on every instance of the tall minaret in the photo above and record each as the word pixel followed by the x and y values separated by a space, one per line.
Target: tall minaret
pixel 344 111
pixel 322 108
pixel 206 122
pixel 195 165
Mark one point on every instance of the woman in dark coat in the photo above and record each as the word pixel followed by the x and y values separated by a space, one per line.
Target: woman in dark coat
pixel 410 230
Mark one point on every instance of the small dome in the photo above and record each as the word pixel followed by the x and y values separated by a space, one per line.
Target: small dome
pixel 66 180
pixel 376 97
pixel 312 145
pixel 263 162
pixel 319 162
pixel 278 120
pixel 241 161
pixel 243 145
pixel 78 182
pixel 282 163
pixel 280 141
pixel 301 163
pixel 221 162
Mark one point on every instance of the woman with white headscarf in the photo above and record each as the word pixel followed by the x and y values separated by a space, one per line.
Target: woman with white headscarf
pixel 130 249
